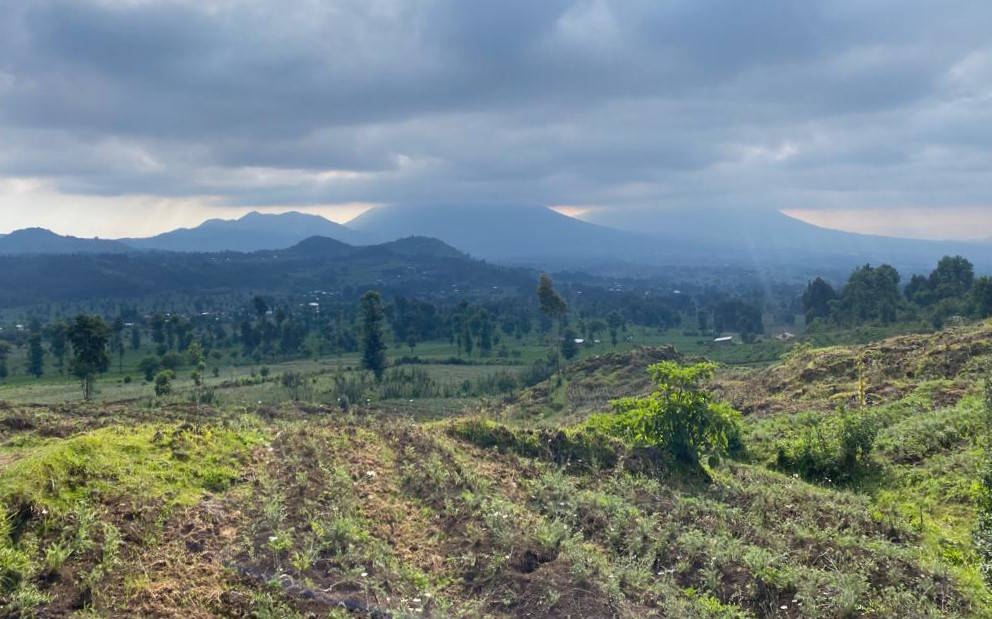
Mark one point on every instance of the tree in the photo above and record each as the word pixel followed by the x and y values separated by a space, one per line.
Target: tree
pixel 36 355
pixel 261 307
pixel 57 343
pixel 614 320
pixel 569 348
pixel 981 297
pixel 89 336
pixel 135 338
pixel 679 416
pixel 158 332
pixel 163 382
pixel 594 327
pixel 4 353
pixel 952 278
pixel 373 345
pixel 918 291
pixel 553 307
pixel 736 315
pixel 117 341
pixel 148 366
pixel 871 294
pixel 817 298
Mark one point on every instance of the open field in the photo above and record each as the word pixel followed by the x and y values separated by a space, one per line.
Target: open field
pixel 492 505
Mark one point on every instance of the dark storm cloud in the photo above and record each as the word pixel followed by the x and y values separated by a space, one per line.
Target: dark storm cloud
pixel 778 104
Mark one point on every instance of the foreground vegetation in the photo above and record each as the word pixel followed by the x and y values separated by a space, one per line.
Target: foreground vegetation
pixel 520 504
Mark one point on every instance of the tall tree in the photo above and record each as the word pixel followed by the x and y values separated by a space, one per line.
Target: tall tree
pixel 57 343
pixel 373 344
pixel 36 354
pixel 952 278
pixel 89 336
pixel 817 298
pixel 117 341
pixel 981 297
pixel 4 353
pixel 553 307
pixel 614 320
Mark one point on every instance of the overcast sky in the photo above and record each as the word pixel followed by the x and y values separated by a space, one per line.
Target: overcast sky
pixel 131 117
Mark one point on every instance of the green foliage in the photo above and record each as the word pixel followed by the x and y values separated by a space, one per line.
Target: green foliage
pixel 870 295
pixel 983 527
pixel 373 344
pixel 679 416
pixel 569 348
pixel 163 382
pixel 552 304
pixel 148 366
pixel 833 449
pixel 817 298
pixel 36 354
pixel 89 336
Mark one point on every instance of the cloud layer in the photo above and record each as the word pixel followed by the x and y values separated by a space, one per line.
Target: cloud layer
pixel 777 104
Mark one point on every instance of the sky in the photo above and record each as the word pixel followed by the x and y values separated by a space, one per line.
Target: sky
pixel 131 117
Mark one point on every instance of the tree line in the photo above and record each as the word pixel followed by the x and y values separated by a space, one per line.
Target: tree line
pixel 874 295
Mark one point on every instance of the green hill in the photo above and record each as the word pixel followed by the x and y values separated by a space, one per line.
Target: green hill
pixel 306 510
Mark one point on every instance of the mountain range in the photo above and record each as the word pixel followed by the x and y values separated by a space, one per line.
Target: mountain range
pixel 537 236
pixel 251 232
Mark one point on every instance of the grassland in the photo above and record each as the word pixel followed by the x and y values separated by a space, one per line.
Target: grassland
pixel 470 504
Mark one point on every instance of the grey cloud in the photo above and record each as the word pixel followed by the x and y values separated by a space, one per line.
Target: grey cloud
pixel 777 104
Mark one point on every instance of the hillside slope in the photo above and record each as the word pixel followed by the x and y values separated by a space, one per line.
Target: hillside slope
pixel 304 510
pixel 423 266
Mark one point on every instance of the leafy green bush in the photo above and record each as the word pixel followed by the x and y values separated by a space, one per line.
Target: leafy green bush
pixel 163 382
pixel 835 449
pixel 679 417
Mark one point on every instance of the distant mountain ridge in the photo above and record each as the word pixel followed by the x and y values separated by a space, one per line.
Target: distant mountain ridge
pixel 42 241
pixel 501 233
pixel 252 232
pixel 614 242
pixel 769 237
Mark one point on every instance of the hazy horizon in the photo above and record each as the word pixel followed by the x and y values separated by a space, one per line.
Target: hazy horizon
pixel 907 223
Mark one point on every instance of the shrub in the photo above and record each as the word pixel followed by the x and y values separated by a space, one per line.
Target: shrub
pixel 148 366
pixel 679 417
pixel 834 449
pixel 171 361
pixel 163 382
